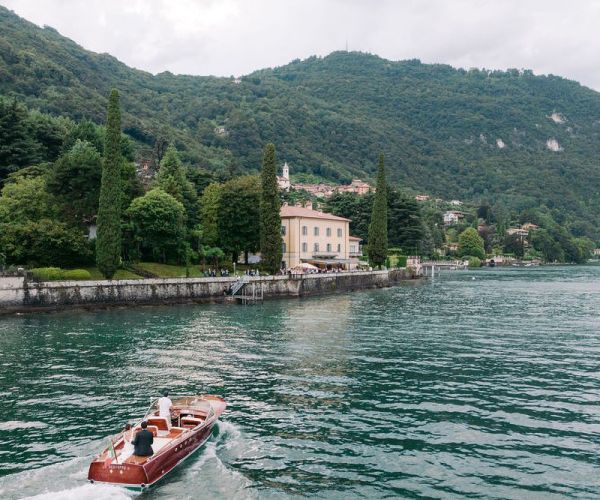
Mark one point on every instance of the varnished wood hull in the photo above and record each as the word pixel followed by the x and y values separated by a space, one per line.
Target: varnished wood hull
pixel 146 474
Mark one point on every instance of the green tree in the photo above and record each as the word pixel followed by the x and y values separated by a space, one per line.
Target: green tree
pixel 75 181
pixel 585 247
pixel 44 242
pixel 108 243
pixel 470 244
pixel 405 226
pixel 354 207
pixel 157 221
pixel 24 200
pixel 172 179
pixel 551 250
pixel 270 219
pixel 17 145
pixel 378 238
pixel 209 214
pixel 239 216
pixel 171 174
pixel 514 244
pixel 213 254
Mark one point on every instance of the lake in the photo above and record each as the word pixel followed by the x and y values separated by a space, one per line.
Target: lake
pixel 479 383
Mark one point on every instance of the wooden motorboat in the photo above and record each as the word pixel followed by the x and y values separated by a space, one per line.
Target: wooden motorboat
pixel 193 418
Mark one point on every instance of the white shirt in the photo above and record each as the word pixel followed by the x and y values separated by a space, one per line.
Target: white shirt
pixel 164 406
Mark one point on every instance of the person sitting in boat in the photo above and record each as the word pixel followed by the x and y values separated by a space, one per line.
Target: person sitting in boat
pixel 127 442
pixel 164 407
pixel 142 442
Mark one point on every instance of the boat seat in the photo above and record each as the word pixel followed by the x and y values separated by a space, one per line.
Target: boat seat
pixel 191 421
pixel 161 423
pixel 175 432
pixel 152 428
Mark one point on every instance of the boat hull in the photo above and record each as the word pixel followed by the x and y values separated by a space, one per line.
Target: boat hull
pixel 144 476
pixel 149 471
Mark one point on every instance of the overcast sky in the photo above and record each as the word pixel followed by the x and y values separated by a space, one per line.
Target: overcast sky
pixel 235 37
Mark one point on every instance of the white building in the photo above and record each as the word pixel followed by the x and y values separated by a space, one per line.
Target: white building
pixel 283 181
pixel 452 217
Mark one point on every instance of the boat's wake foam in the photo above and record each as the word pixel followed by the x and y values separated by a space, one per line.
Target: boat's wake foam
pixel 86 492
pixel 65 480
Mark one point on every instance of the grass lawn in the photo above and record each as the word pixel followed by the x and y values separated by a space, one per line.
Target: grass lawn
pixel 121 274
pixel 168 270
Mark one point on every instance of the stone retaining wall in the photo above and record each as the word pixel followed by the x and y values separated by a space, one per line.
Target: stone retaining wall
pixel 18 294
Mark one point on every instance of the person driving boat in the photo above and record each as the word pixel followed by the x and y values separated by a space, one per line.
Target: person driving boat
pixel 164 407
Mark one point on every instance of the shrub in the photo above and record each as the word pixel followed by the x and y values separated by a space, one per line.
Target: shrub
pixel 76 274
pixel 47 273
pixel 474 262
pixel 401 262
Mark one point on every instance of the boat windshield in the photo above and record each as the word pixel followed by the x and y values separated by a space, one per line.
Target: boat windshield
pixel 190 403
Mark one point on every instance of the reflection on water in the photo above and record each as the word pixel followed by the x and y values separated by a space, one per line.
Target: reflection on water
pixel 461 386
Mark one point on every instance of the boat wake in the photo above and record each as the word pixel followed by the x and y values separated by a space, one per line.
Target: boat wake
pixel 86 492
pixel 60 481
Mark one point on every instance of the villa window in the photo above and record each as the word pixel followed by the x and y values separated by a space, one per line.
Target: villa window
pixel 328 247
pixel 316 247
pixel 339 247
pixel 282 230
pixel 339 231
pixel 316 231
pixel 305 247
pixel 283 247
pixel 353 248
pixel 304 230
pixel 328 231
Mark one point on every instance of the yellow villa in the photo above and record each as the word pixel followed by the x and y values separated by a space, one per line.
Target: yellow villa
pixel 314 237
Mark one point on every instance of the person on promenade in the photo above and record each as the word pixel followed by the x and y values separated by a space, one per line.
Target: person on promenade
pixel 142 442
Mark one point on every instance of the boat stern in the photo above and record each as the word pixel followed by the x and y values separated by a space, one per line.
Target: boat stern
pixel 127 475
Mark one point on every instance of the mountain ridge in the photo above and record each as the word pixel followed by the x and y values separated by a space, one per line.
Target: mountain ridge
pixel 455 133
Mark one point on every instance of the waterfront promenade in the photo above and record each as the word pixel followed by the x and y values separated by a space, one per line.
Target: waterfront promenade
pixel 18 294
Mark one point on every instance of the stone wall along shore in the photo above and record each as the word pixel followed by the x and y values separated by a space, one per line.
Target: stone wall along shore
pixel 19 294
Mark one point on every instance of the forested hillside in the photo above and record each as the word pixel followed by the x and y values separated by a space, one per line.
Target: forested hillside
pixel 511 139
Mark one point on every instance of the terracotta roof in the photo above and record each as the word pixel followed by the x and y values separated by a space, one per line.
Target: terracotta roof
pixel 354 238
pixel 307 213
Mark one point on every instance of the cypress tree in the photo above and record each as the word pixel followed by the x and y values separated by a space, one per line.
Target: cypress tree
pixel 270 219
pixel 378 239
pixel 108 242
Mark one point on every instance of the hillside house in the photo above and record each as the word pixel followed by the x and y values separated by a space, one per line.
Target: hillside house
pixel 315 237
pixel 452 217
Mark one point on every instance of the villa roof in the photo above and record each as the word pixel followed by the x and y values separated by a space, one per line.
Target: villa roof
pixel 307 213
pixel 354 238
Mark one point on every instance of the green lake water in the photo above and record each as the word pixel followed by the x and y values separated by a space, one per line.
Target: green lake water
pixel 479 383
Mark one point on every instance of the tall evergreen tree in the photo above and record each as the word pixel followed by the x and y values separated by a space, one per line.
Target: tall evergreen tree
pixel 108 243
pixel 172 179
pixel 270 219
pixel 171 175
pixel 378 238
pixel 17 146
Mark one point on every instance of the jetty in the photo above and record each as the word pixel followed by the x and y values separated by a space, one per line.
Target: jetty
pixel 430 268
